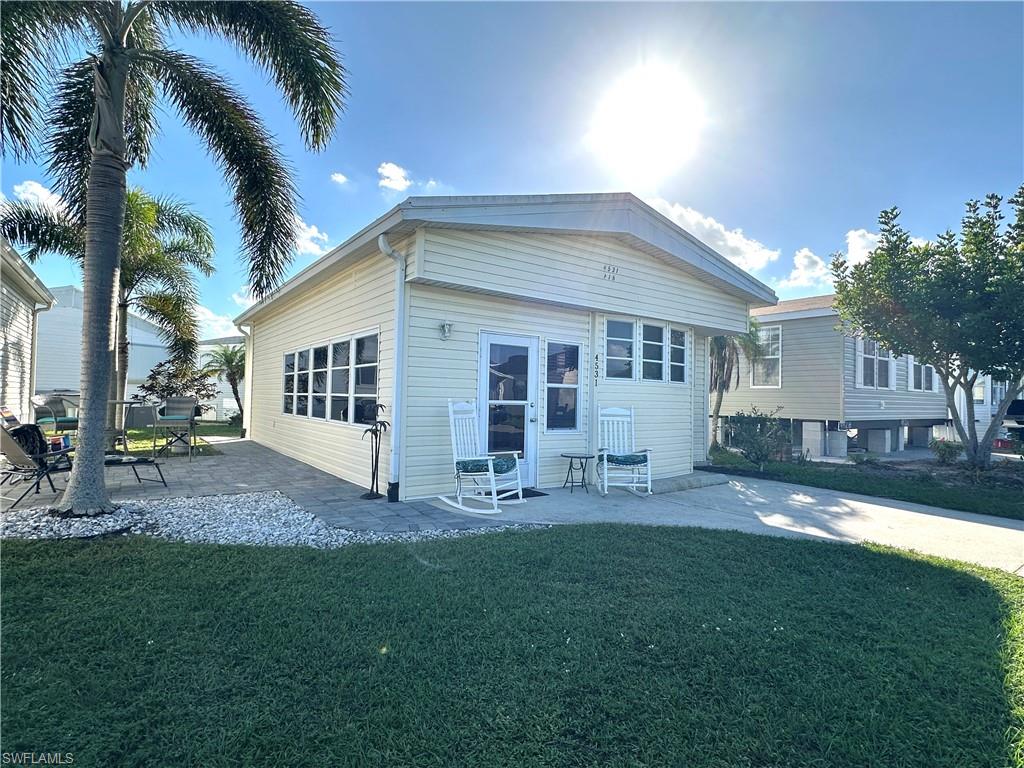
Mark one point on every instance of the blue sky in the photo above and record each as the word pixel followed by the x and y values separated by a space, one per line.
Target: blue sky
pixel 815 117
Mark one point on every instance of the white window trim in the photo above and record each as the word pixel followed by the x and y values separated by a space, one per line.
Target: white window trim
pixel 859 366
pixel 687 355
pixel 352 395
pixel 769 386
pixel 664 349
pixel 910 376
pixel 578 429
pixel 604 356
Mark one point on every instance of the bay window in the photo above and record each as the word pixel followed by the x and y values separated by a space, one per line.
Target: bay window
pixel 653 349
pixel 336 381
pixel 619 346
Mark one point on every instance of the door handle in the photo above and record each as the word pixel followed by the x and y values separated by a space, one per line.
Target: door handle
pixel 533 419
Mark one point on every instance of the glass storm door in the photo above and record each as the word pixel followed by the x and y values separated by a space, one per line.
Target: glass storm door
pixel 508 394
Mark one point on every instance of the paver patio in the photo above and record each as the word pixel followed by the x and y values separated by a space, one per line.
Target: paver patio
pixel 753 506
pixel 246 467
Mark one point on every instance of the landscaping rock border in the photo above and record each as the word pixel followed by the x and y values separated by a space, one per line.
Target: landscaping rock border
pixel 260 519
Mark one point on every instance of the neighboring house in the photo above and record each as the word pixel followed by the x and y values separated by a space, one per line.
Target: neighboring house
pixel 987 396
pixel 22 298
pixel 540 307
pixel 828 383
pixel 223 406
pixel 59 363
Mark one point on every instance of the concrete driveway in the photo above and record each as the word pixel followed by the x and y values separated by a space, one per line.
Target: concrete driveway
pixel 781 509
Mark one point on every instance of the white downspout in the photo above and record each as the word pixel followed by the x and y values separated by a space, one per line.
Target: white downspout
pixel 399 365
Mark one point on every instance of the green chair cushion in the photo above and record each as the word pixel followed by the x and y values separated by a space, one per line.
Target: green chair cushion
pixel 625 460
pixel 172 418
pixel 502 465
pixel 61 420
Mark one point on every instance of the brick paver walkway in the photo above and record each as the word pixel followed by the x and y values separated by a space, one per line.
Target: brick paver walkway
pixel 245 467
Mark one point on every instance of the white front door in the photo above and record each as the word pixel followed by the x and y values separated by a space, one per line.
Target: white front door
pixel 508 395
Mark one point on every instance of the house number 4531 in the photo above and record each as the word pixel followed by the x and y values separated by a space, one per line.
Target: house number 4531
pixel 610 271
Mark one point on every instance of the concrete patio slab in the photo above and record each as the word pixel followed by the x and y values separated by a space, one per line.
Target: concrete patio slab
pixel 782 509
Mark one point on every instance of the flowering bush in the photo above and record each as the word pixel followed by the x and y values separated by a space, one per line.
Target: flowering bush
pixel 946 451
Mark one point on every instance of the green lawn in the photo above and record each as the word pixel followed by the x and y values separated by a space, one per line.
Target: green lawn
pixel 589 645
pixel 140 441
pixel 917 486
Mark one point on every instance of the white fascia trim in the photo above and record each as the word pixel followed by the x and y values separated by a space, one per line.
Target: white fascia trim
pixel 368 234
pixel 771 317
pixel 621 214
pixel 40 294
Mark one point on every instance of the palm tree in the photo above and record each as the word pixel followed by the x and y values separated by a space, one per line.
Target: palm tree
pixel 227 363
pixel 162 243
pixel 102 120
pixel 724 368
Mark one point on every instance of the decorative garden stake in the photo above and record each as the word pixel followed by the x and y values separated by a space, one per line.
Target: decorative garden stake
pixel 378 428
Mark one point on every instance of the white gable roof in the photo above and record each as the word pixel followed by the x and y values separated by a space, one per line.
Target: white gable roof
pixel 620 215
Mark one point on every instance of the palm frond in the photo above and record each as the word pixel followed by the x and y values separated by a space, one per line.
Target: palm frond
pixel 175 315
pixel 42 229
pixel 192 235
pixel 32 35
pixel 264 191
pixel 284 38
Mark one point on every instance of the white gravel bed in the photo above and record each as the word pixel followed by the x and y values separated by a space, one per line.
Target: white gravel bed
pixel 262 519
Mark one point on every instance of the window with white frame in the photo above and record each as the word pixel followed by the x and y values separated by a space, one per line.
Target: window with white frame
pixel 979 393
pixel 874 365
pixel 767 370
pixel 563 386
pixel 677 356
pixel 653 350
pixel 619 349
pixel 920 377
pixel 334 382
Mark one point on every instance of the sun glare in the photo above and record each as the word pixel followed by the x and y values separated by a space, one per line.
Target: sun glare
pixel 647 125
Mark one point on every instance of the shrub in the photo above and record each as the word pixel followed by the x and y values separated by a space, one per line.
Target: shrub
pixel 946 451
pixel 235 419
pixel 759 436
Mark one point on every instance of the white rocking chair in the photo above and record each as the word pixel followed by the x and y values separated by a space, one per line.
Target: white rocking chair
pixel 619 463
pixel 485 480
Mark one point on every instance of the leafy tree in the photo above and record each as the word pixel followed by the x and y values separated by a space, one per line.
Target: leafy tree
pixel 227 363
pixel 162 243
pixel 724 368
pixel 177 378
pixel 955 304
pixel 97 116
pixel 760 436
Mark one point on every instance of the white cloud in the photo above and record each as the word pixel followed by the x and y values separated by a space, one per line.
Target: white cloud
pixel 339 178
pixel 309 238
pixel 744 252
pixel 212 325
pixel 394 177
pixel 243 297
pixel 860 243
pixel 809 270
pixel 34 192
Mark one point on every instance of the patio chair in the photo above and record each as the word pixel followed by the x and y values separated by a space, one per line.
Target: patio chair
pixel 56 412
pixel 177 418
pixel 486 480
pixel 31 467
pixel 619 463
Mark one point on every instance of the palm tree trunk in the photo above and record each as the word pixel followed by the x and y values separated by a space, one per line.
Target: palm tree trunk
pixel 238 398
pixel 86 493
pixel 122 356
pixel 715 417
